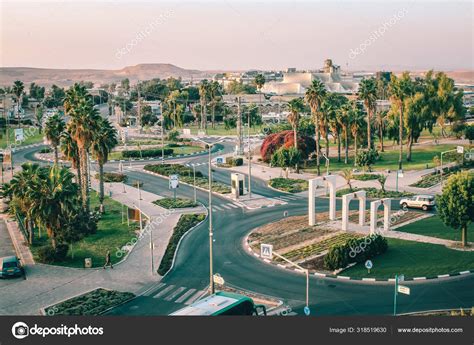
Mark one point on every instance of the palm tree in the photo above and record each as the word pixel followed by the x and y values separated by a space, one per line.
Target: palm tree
pixel 348 175
pixel 295 107
pixel 259 82
pixel 382 179
pixel 368 94
pixel 17 191
pixel 53 197
pixel 105 139
pixel 82 127
pixel 314 96
pixel 55 126
pixel 356 124
pixel 344 114
pixel 203 97
pixel 39 114
pixel 400 88
pixel 18 88
pixel 215 92
pixel 70 151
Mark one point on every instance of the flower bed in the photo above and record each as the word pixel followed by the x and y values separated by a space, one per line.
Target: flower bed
pixel 170 203
pixel 289 184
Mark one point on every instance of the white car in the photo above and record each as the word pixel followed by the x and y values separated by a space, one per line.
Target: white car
pixel 425 202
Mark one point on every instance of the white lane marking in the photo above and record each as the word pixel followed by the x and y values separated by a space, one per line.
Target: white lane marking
pixel 154 289
pixel 226 207
pixel 185 295
pixel 164 291
pixel 176 292
pixel 194 297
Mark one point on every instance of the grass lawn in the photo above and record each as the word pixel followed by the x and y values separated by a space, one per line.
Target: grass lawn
pixel 31 135
pixel 433 226
pixel 111 235
pixel 421 156
pixel 414 259
pixel 181 150
pixel 374 193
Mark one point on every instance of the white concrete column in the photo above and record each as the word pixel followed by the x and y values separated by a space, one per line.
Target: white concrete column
pixel 374 205
pixel 362 200
pixel 346 199
pixel 387 212
pixel 311 202
pixel 331 181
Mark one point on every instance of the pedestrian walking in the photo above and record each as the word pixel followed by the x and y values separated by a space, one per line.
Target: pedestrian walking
pixel 108 262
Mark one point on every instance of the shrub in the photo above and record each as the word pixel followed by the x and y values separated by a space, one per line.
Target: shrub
pixel 289 185
pixel 365 177
pixel 469 133
pixel 46 150
pixel 172 203
pixel 273 142
pixel 366 158
pixel 146 153
pixel 186 222
pixel 48 255
pixel 173 135
pixel 234 161
pixel 286 157
pixel 113 177
pixel 355 250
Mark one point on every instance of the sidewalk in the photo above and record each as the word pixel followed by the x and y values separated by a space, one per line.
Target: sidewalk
pixel 48 284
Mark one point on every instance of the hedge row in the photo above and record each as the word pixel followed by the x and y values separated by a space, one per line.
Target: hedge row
pixel 355 250
pixel 146 153
pixel 186 222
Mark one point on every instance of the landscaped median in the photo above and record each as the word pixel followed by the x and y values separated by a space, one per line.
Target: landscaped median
pixel 289 185
pixel 186 222
pixel 327 251
pixel 171 203
pixel 91 303
pixel 186 176
pixel 374 193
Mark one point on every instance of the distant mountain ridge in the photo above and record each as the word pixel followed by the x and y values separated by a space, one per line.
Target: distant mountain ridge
pixel 66 77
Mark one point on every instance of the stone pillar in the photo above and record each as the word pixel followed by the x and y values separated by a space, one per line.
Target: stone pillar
pixel 331 181
pixel 387 212
pixel 346 199
pixel 311 202
pixel 374 205
pixel 362 199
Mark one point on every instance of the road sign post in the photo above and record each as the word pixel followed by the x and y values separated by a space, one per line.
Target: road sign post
pixel 174 183
pixel 368 265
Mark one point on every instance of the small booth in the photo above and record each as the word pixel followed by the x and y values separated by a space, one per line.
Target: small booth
pixel 237 184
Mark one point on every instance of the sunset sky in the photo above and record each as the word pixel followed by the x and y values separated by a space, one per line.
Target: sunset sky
pixel 237 34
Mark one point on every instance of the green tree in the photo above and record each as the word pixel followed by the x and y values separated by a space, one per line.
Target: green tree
pixel 366 158
pixel 400 88
pixel 203 99
pixel 259 82
pixel 314 97
pixel 70 151
pixel 295 107
pixel 456 203
pixel 39 114
pixel 357 122
pixel 104 140
pixel 53 197
pixel 368 94
pixel 348 176
pixel 18 89
pixel 54 129
pixel 83 125
pixel 286 158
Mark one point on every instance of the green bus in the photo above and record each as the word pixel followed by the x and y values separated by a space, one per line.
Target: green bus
pixel 222 303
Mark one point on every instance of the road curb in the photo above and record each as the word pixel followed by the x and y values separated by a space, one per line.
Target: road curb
pixel 369 280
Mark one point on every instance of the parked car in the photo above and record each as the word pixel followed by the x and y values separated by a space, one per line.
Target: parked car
pixel 425 202
pixel 10 266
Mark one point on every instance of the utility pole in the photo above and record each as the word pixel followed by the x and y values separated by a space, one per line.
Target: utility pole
pixel 239 128
pixel 139 107
pixel 211 273
pixel 162 135
pixel 250 159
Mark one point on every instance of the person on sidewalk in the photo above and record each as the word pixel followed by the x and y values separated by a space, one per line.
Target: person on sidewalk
pixel 108 262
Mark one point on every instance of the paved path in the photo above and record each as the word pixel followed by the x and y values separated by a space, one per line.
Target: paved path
pixel 6 245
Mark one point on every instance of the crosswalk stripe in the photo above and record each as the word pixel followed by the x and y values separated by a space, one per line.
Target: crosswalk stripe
pixel 185 295
pixel 226 206
pixel 154 289
pixel 175 293
pixel 217 207
pixel 194 297
pixel 164 291
pixel 235 205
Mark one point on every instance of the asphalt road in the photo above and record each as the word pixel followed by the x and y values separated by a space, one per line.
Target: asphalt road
pixel 327 296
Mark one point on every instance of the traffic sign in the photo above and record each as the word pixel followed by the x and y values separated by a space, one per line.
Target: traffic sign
pixel 266 251
pixel 401 278
pixel 220 160
pixel 19 136
pixel 174 181
pixel 404 289
pixel 369 264
pixel 306 310
pixel 460 149
pixel 217 278
pixel 400 173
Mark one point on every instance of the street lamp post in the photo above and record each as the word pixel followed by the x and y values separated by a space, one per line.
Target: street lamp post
pixel 211 264
pixel 194 181
pixel 162 135
pixel 250 160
